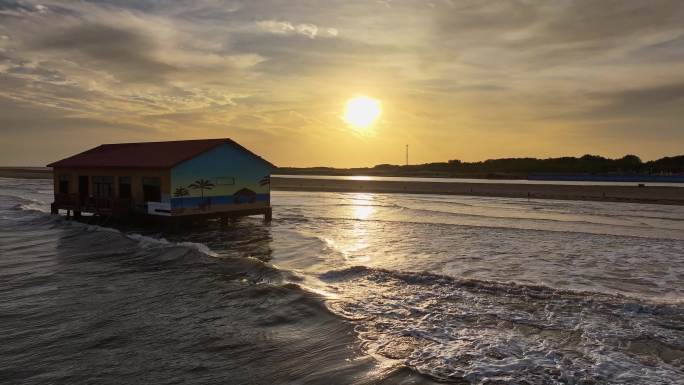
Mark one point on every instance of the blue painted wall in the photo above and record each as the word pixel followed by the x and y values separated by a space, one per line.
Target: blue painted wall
pixel 230 171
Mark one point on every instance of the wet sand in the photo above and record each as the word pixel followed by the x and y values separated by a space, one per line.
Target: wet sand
pixel 634 194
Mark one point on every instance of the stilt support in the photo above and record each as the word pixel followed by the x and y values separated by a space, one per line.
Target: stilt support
pixel 268 215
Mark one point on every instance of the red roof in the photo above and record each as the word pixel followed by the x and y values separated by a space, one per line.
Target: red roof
pixel 146 154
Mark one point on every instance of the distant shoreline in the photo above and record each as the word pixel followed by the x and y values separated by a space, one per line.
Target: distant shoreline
pixel 632 194
pixel 26 172
pixel 605 193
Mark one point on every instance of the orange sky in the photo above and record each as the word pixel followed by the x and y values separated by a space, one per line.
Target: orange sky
pixel 465 80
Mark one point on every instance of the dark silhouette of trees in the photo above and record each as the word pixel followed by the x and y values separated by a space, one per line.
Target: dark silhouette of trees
pixel 670 165
pixel 518 167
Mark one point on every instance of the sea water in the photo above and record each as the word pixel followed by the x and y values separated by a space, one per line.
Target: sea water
pixel 346 288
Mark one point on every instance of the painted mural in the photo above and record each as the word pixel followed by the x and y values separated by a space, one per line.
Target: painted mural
pixel 222 179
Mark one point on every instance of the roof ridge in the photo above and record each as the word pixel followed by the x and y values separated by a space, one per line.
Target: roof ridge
pixel 169 141
pixel 161 154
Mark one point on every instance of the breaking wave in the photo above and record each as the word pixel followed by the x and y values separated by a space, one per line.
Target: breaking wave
pixel 487 332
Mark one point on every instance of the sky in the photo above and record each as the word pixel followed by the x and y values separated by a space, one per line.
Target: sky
pixel 468 80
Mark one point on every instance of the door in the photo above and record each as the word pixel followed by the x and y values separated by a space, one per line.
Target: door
pixel 151 189
pixel 103 191
pixel 83 189
pixel 63 187
pixel 125 191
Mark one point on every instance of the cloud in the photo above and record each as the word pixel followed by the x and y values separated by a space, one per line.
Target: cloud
pixel 661 101
pixel 308 30
pixel 287 28
pixel 277 27
pixel 444 69
pixel 127 54
pixel 539 32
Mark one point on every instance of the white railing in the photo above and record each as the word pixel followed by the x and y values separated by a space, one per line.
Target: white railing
pixel 159 208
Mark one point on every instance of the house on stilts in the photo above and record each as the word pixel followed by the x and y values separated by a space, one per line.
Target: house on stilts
pixel 186 179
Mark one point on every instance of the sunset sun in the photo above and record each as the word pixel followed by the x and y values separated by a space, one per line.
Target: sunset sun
pixel 361 111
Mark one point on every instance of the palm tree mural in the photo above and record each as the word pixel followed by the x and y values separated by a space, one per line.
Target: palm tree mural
pixel 180 193
pixel 201 184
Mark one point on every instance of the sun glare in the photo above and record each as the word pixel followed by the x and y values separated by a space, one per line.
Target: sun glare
pixel 361 111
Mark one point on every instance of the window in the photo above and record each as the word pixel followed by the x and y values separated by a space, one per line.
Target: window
pixel 63 184
pixel 104 186
pixel 125 190
pixel 151 189
pixel 84 189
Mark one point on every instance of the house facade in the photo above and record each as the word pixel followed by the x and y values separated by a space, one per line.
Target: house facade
pixel 221 179
pixel 210 177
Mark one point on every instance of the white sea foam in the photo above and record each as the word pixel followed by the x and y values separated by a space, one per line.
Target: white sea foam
pixel 487 331
pixel 148 241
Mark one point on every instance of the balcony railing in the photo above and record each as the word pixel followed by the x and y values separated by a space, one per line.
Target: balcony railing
pixel 67 201
pixel 110 206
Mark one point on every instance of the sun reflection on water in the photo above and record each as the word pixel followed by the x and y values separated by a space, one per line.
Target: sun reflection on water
pixel 360 177
pixel 362 206
pixel 363 212
pixel 362 209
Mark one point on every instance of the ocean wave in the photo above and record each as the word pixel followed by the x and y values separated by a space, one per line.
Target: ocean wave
pixel 518 218
pixel 449 328
pixel 14 202
pixel 147 241
pixel 73 292
pixel 41 209
pixel 153 250
pixel 606 231
pixel 483 331
pixel 37 207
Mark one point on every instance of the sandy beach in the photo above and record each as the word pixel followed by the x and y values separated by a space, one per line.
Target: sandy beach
pixel 634 194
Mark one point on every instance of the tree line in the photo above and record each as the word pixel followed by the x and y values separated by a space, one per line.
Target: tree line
pixel 587 164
